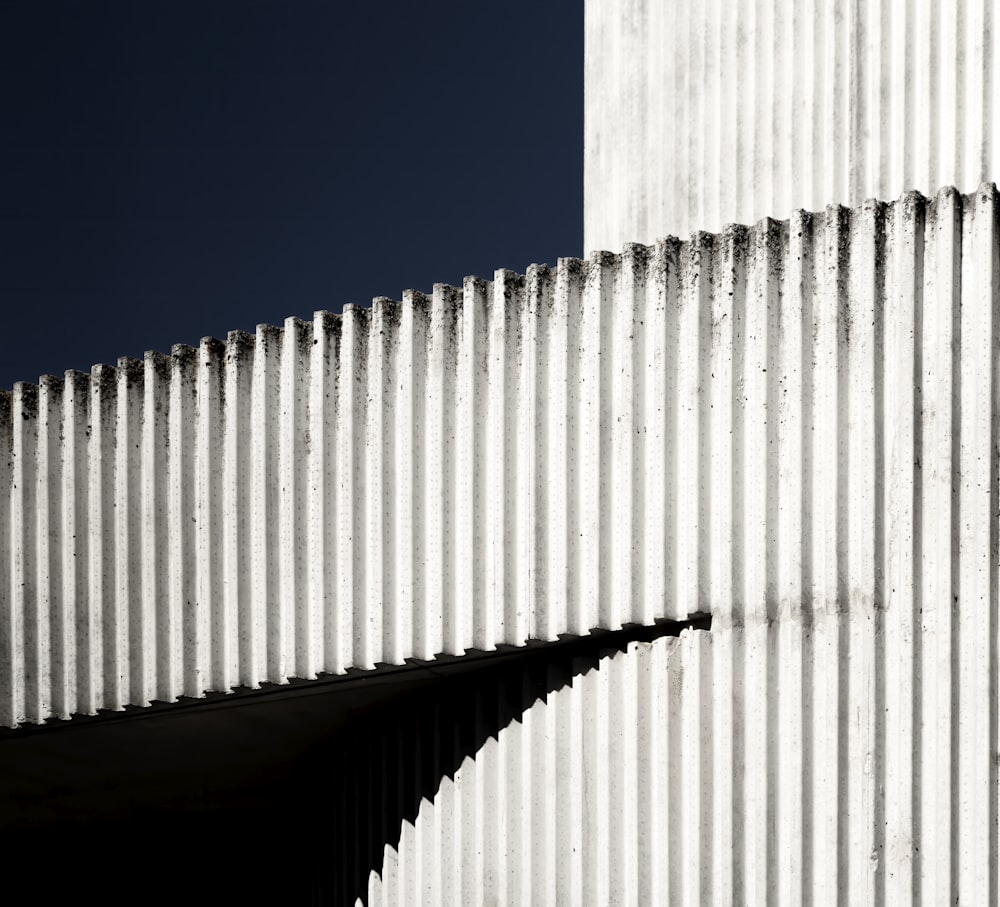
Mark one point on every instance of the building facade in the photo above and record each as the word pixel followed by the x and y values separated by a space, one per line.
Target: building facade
pixel 705 528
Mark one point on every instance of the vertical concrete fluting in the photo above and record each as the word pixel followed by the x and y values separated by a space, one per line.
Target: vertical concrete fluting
pixel 700 113
pixel 752 764
pixel 793 426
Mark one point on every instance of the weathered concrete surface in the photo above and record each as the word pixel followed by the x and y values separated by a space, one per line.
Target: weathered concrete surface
pixel 847 760
pixel 769 424
pixel 700 113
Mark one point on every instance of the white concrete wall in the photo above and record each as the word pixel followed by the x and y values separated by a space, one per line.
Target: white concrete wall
pixel 700 113
pixel 847 759
pixel 833 739
pixel 795 419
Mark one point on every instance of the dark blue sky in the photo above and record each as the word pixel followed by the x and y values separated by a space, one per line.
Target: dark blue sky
pixel 171 170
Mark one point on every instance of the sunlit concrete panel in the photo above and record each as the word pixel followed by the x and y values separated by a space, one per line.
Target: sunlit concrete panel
pixel 841 759
pixel 799 417
pixel 700 113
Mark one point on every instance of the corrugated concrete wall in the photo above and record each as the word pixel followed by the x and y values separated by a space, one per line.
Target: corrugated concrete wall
pixel 700 113
pixel 774 423
pixel 845 758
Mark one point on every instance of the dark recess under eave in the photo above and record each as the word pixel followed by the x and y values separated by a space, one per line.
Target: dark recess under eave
pixel 243 794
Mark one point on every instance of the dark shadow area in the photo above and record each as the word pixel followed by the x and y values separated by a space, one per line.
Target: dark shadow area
pixel 283 796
